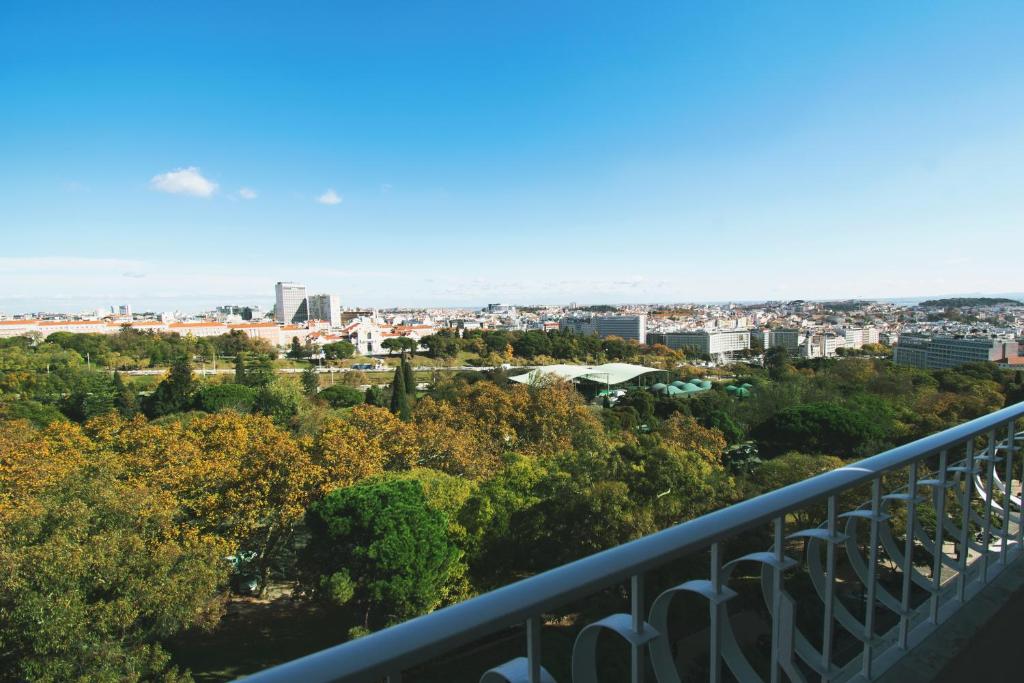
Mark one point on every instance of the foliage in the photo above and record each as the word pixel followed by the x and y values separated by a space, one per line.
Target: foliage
pixel 381 545
pixel 400 404
pixel 341 396
pixel 513 479
pixel 126 401
pixel 174 394
pixel 339 350
pixel 819 428
pixel 96 570
pixel 281 399
pixel 214 398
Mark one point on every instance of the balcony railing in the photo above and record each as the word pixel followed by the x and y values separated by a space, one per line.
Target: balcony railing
pixel 939 520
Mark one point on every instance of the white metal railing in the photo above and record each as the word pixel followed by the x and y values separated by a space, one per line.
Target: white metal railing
pixel 962 479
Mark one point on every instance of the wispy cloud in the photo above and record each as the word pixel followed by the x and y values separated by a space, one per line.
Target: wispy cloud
pixel 247 193
pixel 184 181
pixel 330 197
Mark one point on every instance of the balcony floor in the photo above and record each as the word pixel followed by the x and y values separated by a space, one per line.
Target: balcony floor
pixel 980 643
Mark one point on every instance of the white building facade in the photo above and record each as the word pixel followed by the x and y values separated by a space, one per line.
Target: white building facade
pixel 291 305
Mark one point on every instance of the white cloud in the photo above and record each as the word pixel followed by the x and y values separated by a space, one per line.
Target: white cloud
pixel 247 193
pixel 330 198
pixel 184 181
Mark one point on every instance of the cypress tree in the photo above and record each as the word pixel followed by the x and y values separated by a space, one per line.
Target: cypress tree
pixel 410 381
pixel 240 367
pixel 399 398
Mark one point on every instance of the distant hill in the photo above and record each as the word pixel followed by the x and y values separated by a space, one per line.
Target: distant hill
pixel 966 302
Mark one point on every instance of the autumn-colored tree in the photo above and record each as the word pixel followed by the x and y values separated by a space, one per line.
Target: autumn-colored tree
pixel 452 440
pixel 95 569
pixel 247 480
pixel 384 431
pixel 343 455
pixel 685 433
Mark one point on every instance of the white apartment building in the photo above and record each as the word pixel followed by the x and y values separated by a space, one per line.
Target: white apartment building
pixel 632 327
pixel 291 305
pixel 714 343
pixel 325 307
pixel 821 345
pixel 857 337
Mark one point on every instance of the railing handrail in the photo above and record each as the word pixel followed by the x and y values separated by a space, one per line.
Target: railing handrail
pixel 418 640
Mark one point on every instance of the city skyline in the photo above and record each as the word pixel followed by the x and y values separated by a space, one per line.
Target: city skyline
pixel 453 155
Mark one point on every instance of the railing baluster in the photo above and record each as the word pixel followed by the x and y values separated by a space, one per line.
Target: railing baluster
pixel 1004 535
pixel 986 526
pixel 395 677
pixel 940 536
pixel 908 555
pixel 777 597
pixel 869 606
pixel 639 611
pixel 533 626
pixel 830 587
pixel 1012 429
pixel 715 635
pixel 965 501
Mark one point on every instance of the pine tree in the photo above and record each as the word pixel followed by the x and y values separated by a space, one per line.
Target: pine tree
pixel 125 400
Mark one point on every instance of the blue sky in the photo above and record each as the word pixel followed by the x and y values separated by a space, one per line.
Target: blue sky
pixel 464 152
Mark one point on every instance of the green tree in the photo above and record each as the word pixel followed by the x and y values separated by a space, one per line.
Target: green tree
pixel 341 396
pixel 281 400
pixel 380 546
pixel 214 398
pixel 260 373
pixel 776 360
pixel 94 572
pixel 400 397
pixel 297 351
pixel 339 350
pixel 392 345
pixel 39 414
pixel 240 369
pixel 125 400
pixel 408 378
pixel 441 345
pixel 374 396
pixel 310 381
pixel 174 394
pixel 819 428
pixel 92 394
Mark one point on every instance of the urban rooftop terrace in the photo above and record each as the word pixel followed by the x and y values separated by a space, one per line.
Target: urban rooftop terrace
pixel 848 591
